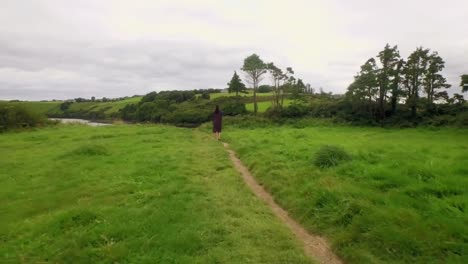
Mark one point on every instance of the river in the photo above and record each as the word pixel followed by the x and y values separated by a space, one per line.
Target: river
pixel 80 121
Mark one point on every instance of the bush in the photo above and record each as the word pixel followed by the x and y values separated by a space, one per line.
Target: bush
pixel 17 116
pixel 462 119
pixel 235 108
pixel 295 110
pixel 329 156
pixel 187 117
pixel 265 89
pixel 231 106
pixel 273 113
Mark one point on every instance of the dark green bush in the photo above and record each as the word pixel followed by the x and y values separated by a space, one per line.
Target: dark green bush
pixel 295 110
pixel 265 89
pixel 330 155
pixel 17 116
pixel 462 119
pixel 235 108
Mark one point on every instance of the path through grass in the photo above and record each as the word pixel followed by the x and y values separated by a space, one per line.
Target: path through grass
pixel 402 198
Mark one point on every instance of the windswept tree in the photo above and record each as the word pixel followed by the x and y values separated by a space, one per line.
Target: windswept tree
pixel 464 83
pixel 395 85
pixel 300 85
pixel 433 79
pixel 236 85
pixel 254 68
pixel 289 83
pixel 389 58
pixel 458 99
pixel 277 77
pixel 298 90
pixel 414 71
pixel 282 81
pixel 364 90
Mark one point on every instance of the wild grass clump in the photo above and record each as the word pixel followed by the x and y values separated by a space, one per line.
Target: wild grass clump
pixel 90 150
pixel 330 156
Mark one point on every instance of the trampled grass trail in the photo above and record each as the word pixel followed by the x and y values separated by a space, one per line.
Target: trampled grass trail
pixel 400 198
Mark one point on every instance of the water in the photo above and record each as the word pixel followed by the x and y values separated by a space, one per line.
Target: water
pixel 79 121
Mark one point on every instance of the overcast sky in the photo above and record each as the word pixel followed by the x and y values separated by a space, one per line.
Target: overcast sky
pixel 66 49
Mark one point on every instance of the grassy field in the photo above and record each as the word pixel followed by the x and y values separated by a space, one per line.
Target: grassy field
pixel 37 107
pixel 107 107
pixel 263 106
pixel 130 194
pixel 402 198
pixel 54 107
pixel 110 108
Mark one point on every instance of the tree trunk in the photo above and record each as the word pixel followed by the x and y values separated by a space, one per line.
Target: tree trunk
pixel 255 96
pixel 282 97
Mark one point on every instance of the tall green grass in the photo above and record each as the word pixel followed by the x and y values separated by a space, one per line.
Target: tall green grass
pixel 130 194
pixel 402 198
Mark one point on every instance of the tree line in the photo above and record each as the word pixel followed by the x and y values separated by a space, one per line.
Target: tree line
pixel 388 81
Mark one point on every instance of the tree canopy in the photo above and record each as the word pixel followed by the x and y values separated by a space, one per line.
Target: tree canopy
pixel 254 68
pixel 236 85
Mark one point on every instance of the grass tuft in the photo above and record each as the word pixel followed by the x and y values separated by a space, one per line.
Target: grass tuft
pixel 90 150
pixel 330 156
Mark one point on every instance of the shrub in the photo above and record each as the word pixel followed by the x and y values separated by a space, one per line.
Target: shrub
pixel 235 108
pixel 273 112
pixel 231 106
pixel 187 117
pixel 65 105
pixel 265 89
pixel 462 119
pixel 329 156
pixel 17 116
pixel 295 110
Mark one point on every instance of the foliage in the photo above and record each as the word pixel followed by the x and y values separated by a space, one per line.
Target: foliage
pixel 190 112
pixel 65 105
pixel 171 96
pixel 381 86
pixel 265 88
pixel 464 83
pixel 433 79
pixel 13 115
pixel 254 68
pixel 236 85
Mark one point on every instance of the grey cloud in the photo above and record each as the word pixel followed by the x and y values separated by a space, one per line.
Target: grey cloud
pixel 53 49
pixel 117 70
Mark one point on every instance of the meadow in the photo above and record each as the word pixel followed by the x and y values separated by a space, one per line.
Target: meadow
pixel 401 198
pixel 52 108
pixel 131 194
pixel 110 110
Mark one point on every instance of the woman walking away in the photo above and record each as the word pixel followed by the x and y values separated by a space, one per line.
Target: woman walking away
pixel 217 122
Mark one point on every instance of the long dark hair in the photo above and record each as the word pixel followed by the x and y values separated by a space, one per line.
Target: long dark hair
pixel 217 109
